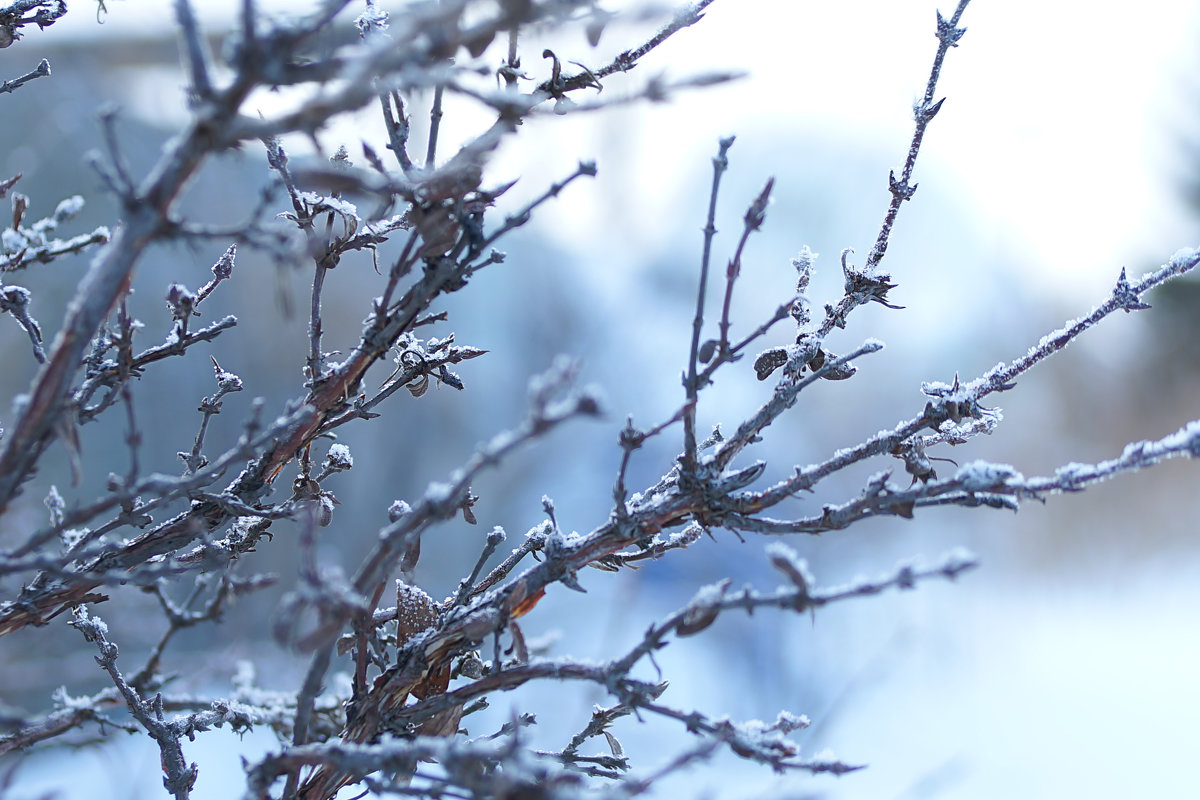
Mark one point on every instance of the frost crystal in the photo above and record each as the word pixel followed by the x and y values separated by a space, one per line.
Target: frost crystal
pixel 1191 435
pixel 804 261
pixel 339 457
pixel 1187 437
pixel 981 476
pixel 708 595
pixel 319 202
pixel 372 20
pixel 71 537
pixel 1185 257
pixel 88 623
pixel 68 208
pixel 689 535
pixel 1073 473
pixel 68 703
pixel 398 509
pixel 785 558
pixel 788 722
pixel 13 241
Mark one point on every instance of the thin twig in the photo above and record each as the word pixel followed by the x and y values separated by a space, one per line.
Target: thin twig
pixel 42 71
pixel 948 34
pixel 683 17
pixel 752 222
pixel 435 126
pixel 691 387
pixel 195 51
pixel 180 776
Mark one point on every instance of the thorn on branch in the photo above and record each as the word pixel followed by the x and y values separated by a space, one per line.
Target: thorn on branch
pixel 861 287
pixel 924 111
pixel 1126 297
pixel 946 30
pixel 898 189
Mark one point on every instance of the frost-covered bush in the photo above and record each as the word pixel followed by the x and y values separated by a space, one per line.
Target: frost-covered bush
pixel 429 223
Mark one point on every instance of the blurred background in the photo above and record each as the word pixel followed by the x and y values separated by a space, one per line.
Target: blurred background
pixel 1068 147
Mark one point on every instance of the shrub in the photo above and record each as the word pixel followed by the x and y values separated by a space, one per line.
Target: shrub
pixel 418 665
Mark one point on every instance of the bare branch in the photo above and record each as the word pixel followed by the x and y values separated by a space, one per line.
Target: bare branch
pixel 926 109
pixel 690 384
pixel 42 71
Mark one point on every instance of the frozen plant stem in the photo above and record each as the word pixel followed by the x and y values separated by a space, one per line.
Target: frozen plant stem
pixel 691 384
pixel 948 34
pixel 435 126
pixel 304 706
pixel 752 222
pixel 180 776
pixel 314 324
pixel 685 16
pixel 42 71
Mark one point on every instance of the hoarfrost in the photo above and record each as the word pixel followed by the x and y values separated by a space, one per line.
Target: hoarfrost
pixel 72 537
pixel 373 20
pixel 689 535
pixel 68 208
pixel 398 509
pixel 339 457
pixel 320 202
pixel 804 261
pixel 708 595
pixel 68 703
pixel 980 476
pixel 1185 257
pixel 1188 437
pixel 13 241
pixel 1073 473
pixel 784 557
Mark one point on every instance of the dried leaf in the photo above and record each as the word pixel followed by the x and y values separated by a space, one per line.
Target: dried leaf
pixel 703 610
pixel 520 602
pixel 696 620
pixel 418 386
pixel 416 611
pixel 19 204
pixel 768 361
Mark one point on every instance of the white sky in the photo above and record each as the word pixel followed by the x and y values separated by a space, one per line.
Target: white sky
pixel 1058 137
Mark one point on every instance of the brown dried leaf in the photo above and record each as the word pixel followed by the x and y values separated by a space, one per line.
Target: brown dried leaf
pixel 702 611
pixel 19 204
pixel 520 602
pixel 415 612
